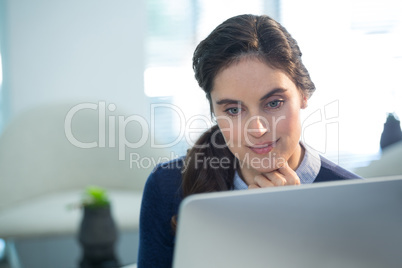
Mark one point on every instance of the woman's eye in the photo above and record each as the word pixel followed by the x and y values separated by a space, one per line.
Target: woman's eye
pixel 274 104
pixel 233 111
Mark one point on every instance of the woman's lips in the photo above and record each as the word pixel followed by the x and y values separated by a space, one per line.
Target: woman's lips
pixel 263 148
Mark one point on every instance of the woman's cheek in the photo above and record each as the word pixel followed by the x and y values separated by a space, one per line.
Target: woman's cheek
pixel 227 129
pixel 288 122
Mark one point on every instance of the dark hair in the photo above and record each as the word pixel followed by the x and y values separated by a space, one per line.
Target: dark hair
pixel 250 35
pixel 240 36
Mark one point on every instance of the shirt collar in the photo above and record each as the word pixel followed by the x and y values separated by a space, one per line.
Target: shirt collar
pixel 310 165
pixel 238 183
pixel 307 170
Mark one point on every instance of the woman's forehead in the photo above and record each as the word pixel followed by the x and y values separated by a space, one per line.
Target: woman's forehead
pixel 249 76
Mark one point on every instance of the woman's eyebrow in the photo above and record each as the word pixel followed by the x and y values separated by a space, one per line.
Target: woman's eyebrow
pixel 273 92
pixel 269 94
pixel 228 101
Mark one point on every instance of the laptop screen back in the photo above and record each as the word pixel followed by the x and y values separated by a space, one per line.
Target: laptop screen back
pixel 335 224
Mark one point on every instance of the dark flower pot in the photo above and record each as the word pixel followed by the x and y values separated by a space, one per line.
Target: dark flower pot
pixel 97 236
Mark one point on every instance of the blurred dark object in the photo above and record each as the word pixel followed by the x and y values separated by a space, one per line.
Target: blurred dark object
pixel 392 131
pixel 97 236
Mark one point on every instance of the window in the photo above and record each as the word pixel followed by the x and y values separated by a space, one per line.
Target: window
pixel 353 51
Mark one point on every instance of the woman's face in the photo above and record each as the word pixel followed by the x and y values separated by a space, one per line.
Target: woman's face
pixel 257 109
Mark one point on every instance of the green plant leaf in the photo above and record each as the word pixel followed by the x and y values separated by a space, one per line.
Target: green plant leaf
pixel 95 196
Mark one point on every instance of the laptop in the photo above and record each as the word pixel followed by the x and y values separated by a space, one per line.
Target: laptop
pixel 356 223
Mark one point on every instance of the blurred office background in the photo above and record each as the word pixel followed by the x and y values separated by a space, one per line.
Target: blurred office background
pixel 134 53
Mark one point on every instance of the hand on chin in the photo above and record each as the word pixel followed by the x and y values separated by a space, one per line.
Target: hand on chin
pixel 280 177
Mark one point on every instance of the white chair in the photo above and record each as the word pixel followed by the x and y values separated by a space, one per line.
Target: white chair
pixel 42 171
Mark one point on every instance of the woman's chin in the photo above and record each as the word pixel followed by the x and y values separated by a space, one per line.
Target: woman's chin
pixel 261 164
pixel 268 164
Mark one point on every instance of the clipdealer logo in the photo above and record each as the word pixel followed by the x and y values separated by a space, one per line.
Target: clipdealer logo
pixel 115 126
pixel 146 130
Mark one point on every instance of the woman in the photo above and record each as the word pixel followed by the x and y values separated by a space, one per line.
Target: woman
pixel 251 71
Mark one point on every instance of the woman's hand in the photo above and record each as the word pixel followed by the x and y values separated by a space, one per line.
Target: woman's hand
pixel 280 177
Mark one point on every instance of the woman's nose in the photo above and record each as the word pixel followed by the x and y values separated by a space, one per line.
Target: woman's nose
pixel 258 126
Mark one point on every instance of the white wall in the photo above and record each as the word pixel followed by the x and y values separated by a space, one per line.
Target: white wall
pixel 75 50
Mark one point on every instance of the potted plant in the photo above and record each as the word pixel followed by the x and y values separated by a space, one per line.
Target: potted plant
pixel 98 231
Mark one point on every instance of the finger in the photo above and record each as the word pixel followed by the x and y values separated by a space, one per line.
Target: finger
pixel 253 186
pixel 285 168
pixel 289 174
pixel 262 181
pixel 276 178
